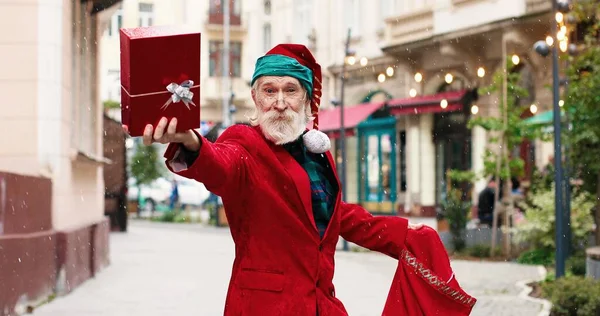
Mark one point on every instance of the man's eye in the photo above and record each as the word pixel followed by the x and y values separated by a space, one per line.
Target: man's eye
pixel 290 90
pixel 270 90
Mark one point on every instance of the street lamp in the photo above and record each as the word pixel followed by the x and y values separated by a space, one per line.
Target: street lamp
pixel 559 8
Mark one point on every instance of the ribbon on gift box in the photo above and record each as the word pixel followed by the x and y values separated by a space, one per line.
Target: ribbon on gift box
pixel 179 93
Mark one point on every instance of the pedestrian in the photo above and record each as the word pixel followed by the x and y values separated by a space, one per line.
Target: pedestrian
pixel 486 204
pixel 174 198
pixel 281 195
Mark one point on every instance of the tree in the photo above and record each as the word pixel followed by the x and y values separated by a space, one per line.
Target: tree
pixel 145 166
pixel 583 103
pixel 509 130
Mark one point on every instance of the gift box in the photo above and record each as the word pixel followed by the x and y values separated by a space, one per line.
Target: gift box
pixel 160 77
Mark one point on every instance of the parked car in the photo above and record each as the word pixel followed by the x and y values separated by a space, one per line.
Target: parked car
pixel 156 196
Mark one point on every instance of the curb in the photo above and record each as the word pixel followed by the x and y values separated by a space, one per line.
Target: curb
pixel 524 294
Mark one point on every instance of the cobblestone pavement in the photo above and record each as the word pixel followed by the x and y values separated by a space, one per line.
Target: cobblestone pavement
pixel 179 270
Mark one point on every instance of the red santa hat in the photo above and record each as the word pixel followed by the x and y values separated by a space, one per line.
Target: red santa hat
pixel 297 61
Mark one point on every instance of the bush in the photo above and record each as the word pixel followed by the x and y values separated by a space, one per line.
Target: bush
pixel 168 217
pixel 456 212
pixel 573 296
pixel 543 256
pixel 538 227
pixel 576 265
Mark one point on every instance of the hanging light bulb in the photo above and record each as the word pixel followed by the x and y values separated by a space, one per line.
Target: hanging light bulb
pixel 449 78
pixel 444 103
pixel 418 77
pixel 515 59
pixel 381 78
pixel 412 93
pixel 549 40
pixel 561 103
pixel 351 60
pixel 389 71
pixel 563 46
pixel 559 17
pixel 533 108
pixel 364 61
pixel 474 109
pixel 481 72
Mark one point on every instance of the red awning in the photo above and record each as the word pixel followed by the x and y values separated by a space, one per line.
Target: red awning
pixel 428 103
pixel 329 120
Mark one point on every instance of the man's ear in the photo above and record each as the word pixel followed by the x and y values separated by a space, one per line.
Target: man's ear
pixel 253 92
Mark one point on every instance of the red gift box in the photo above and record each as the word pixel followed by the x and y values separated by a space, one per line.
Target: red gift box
pixel 160 77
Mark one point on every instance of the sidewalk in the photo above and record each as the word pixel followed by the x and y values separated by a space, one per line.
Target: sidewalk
pixel 179 270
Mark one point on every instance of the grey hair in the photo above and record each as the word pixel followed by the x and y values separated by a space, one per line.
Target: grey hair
pixel 253 117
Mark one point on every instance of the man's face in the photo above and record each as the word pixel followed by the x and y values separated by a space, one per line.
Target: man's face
pixel 282 106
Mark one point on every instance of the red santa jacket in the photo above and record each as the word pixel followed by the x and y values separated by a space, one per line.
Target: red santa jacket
pixel 424 284
pixel 281 265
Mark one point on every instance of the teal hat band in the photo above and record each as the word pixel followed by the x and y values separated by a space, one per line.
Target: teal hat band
pixel 280 65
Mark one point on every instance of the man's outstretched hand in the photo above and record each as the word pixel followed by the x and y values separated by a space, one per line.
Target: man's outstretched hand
pixel 166 132
pixel 415 226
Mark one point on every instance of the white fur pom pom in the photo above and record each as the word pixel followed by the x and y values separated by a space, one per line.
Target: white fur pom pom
pixel 316 142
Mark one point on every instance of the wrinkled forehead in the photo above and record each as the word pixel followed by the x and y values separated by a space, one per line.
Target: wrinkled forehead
pixel 277 81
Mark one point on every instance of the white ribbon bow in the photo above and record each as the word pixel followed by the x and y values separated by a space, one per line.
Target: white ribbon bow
pixel 180 92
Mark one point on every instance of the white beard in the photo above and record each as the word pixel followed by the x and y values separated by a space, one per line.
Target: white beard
pixel 282 127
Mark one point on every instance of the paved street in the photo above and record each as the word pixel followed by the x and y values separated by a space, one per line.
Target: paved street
pixel 178 269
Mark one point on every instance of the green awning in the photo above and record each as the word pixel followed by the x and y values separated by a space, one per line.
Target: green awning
pixel 543 118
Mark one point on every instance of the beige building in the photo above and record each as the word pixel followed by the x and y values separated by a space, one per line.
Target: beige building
pixel 53 233
pixel 427 59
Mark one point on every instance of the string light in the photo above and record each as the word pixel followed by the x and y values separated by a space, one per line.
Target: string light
pixel 418 77
pixel 449 78
pixel 474 109
pixel 559 17
pixel 533 108
pixel 561 103
pixel 351 60
pixel 381 78
pixel 412 93
pixel 444 103
pixel 515 59
pixel 481 72
pixel 389 71
pixel 364 61
pixel 549 40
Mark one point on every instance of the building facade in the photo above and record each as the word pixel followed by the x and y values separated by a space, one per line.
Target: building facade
pixel 53 233
pixel 412 83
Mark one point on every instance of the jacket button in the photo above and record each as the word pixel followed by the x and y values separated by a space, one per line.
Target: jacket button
pixel 320 248
pixel 317 283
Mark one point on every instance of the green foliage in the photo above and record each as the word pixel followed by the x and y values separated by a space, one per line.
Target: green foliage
pixel 111 104
pixel 573 296
pixel 456 212
pixel 582 103
pixel 576 265
pixel 462 175
pixel 538 227
pixel 517 129
pixel 540 256
pixel 167 217
pixel 145 167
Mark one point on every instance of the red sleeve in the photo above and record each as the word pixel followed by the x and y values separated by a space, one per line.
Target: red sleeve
pixel 222 166
pixel 385 234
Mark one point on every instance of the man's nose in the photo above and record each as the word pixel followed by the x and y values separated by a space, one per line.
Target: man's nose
pixel 280 104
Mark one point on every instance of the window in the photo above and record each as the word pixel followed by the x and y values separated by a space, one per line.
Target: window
pixel 215 12
pixel 115 23
pixel 146 11
pixel 267 37
pixel 267 7
pixel 216 59
pixel 378 165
